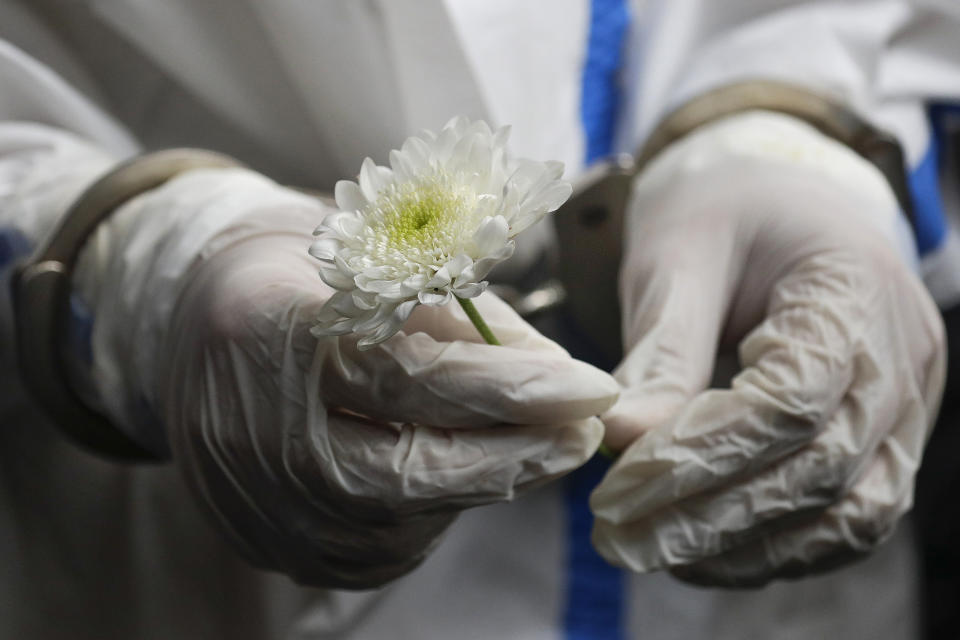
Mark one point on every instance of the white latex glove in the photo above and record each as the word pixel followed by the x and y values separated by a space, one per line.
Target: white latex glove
pixel 338 467
pixel 758 231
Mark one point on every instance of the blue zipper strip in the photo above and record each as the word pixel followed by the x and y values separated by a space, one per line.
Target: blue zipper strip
pixel 601 95
pixel 930 226
pixel 595 596
pixel 595 590
pixel 930 220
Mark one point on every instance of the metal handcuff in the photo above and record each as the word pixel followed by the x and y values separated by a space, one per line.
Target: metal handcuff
pixel 590 224
pixel 589 229
pixel 41 295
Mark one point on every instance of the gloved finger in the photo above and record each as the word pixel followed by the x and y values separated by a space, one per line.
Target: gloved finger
pixel 894 399
pixel 415 378
pixel 387 492
pixel 403 470
pixel 798 365
pixel 365 555
pixel 449 323
pixel 817 476
pixel 844 532
pixel 438 469
pixel 675 287
pixel 306 470
pixel 257 500
pixel 679 320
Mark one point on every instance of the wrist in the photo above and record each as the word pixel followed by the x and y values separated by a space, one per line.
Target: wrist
pixel 43 309
pixel 42 170
pixel 133 269
pixel 774 139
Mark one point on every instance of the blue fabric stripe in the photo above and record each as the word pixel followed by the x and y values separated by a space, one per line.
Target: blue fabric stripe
pixel 13 245
pixel 595 589
pixel 930 220
pixel 80 337
pixel 600 97
pixel 930 226
pixel 594 607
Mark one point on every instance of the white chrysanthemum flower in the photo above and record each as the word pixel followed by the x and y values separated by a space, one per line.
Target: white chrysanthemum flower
pixel 429 227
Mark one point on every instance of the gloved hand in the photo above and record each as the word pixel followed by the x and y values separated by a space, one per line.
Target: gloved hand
pixel 338 467
pixel 758 231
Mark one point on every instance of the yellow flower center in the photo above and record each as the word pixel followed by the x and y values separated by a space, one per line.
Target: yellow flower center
pixel 422 215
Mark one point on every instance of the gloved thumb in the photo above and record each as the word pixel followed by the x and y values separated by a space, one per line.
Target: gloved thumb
pixel 675 290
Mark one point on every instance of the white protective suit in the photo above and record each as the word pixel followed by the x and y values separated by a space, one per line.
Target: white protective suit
pixel 302 92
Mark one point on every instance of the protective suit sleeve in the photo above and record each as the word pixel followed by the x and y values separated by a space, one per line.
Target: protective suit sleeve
pixel 53 143
pixel 884 60
pixel 887 62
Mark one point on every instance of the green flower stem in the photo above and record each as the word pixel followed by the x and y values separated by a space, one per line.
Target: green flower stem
pixel 477 320
pixel 488 336
pixel 606 452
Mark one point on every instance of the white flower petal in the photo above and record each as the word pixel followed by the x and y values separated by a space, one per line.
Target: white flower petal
pixel 348 195
pixel 465 276
pixel 342 266
pixel 531 211
pixel 553 169
pixel 440 280
pixel 457 125
pixel 416 153
pixel 370 284
pixel 443 146
pixel 389 327
pixel 391 293
pixel 345 224
pixel 342 303
pixel 363 300
pixel 464 147
pixel 526 174
pixel 487 206
pixel 479 159
pixel 379 272
pixel 402 169
pixel 414 284
pixel 327 328
pixel 470 290
pixel 337 279
pixel 457 264
pixel 501 136
pixel 337 317
pixel 395 295
pixel 373 179
pixel 491 235
pixel 400 314
pixel 553 196
pixel 371 320
pixel 483 266
pixel 479 127
pixel 509 201
pixel 325 248
pixel 433 298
